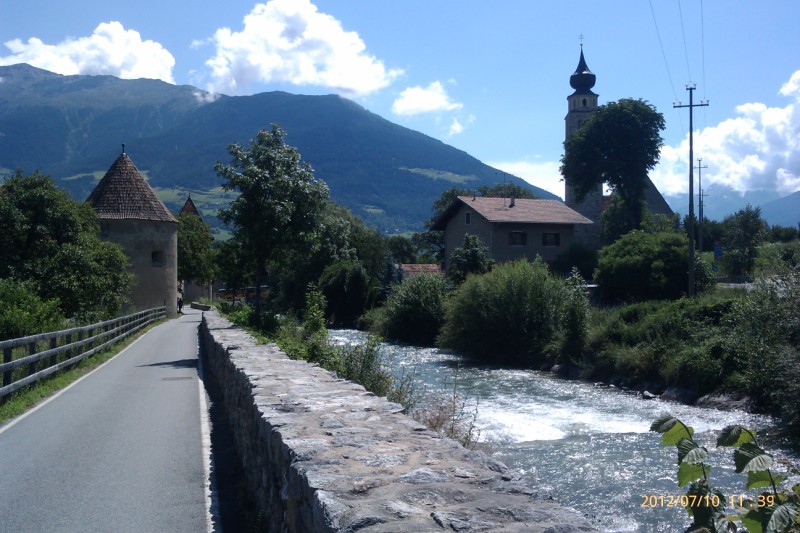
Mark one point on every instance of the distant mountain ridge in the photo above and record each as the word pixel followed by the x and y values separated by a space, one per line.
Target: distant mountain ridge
pixel 71 128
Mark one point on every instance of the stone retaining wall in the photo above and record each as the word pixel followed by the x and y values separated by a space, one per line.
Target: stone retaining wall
pixel 321 454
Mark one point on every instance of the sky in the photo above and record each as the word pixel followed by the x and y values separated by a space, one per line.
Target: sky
pixel 489 78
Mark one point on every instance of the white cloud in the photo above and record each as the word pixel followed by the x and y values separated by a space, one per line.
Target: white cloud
pixel 458 127
pixel 289 41
pixel 111 49
pixel 757 150
pixel 544 175
pixel 430 99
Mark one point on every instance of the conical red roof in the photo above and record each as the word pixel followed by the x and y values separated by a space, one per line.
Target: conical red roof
pixel 123 193
pixel 189 208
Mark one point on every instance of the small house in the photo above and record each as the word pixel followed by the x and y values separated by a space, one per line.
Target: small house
pixel 510 228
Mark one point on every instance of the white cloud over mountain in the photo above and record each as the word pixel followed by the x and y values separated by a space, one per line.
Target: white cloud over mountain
pixel 111 49
pixel 290 41
pixel 417 100
pixel 759 149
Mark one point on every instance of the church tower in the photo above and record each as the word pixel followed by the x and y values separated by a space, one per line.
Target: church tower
pixel 580 105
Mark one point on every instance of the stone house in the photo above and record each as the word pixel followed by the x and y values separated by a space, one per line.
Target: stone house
pixel 510 228
pixel 132 216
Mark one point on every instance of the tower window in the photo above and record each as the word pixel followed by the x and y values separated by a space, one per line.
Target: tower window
pixel 584 102
pixel 157 258
pixel 467 218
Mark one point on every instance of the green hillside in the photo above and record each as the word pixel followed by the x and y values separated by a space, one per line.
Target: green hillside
pixel 71 128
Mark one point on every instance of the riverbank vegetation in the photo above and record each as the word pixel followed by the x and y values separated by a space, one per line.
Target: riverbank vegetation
pixel 637 330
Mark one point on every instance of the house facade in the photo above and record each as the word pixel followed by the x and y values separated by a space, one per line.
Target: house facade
pixel 511 229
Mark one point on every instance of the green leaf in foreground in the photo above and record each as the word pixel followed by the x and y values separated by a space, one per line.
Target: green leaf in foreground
pixel 663 423
pixel 689 472
pixel 761 478
pixel 783 517
pixel 690 452
pixel 753 520
pixel 677 432
pixel 734 435
pixel 751 458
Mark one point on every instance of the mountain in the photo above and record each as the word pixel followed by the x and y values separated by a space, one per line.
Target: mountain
pixel 783 211
pixel 71 128
pixel 721 201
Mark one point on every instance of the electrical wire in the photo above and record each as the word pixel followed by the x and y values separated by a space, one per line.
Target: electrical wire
pixel 666 63
pixel 685 49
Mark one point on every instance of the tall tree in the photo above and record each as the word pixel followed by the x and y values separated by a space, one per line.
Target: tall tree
pixel 195 255
pixel 279 201
pixel 742 234
pixel 617 146
pixel 52 243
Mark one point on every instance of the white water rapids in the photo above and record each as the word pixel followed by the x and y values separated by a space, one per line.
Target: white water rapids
pixel 589 447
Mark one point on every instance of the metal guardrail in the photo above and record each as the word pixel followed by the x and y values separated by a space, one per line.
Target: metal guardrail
pixel 64 348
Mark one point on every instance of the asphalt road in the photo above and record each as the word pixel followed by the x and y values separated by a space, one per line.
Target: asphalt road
pixel 124 449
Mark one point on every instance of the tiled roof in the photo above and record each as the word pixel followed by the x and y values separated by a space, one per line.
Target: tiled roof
pixel 413 269
pixel 189 208
pixel 523 211
pixel 123 193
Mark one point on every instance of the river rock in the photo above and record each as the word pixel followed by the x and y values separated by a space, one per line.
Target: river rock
pixel 647 395
pixel 724 402
pixel 680 395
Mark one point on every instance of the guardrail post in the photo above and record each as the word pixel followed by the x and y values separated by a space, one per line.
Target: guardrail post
pixel 32 349
pixel 8 356
pixel 53 345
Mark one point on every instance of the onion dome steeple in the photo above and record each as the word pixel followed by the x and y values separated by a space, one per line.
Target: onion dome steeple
pixel 582 80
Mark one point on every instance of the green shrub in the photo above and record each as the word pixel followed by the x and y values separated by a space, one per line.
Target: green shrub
pixel 646 266
pixel 23 313
pixel 578 256
pixel 573 331
pixel 470 258
pixel 345 285
pixel 415 309
pixel 511 313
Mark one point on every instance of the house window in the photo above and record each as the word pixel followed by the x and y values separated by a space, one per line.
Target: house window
pixel 551 239
pixel 157 258
pixel 467 218
pixel 517 238
pixel 104 228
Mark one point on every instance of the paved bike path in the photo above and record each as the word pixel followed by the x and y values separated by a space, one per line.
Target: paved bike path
pixel 122 450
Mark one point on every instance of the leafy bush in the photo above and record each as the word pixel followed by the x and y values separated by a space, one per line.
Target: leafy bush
pixel 571 338
pixel 345 285
pixel 415 309
pixel 23 313
pixel 471 258
pixel 577 255
pixel 511 313
pixel 52 242
pixel 772 510
pixel 646 266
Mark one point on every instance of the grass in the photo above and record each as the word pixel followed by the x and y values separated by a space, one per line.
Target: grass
pixel 28 397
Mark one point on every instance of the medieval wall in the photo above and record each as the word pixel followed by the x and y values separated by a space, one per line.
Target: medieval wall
pixel 152 250
pixel 321 454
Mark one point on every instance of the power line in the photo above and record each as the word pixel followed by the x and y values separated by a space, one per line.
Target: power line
pixel 683 32
pixel 666 63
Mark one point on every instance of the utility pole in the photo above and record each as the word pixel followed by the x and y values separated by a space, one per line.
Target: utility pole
pixel 691 88
pixel 700 195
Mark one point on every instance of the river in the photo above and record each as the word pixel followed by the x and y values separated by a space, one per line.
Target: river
pixel 589 447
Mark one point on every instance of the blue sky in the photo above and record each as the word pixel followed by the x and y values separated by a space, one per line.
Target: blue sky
pixel 490 78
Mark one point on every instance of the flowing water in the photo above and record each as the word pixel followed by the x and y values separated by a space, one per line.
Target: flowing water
pixel 589 447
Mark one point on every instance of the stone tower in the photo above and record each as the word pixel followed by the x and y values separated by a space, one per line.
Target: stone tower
pixel 132 216
pixel 580 105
